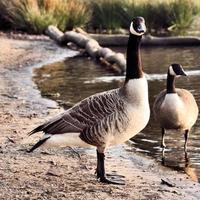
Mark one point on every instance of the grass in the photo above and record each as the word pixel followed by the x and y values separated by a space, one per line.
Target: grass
pixel 172 16
pixel 106 14
pixel 35 15
pixel 183 12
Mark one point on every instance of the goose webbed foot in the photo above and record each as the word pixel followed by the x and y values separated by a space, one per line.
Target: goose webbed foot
pixel 101 175
pixel 115 175
pixel 115 180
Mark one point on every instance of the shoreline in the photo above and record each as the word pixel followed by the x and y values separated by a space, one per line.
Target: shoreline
pixel 60 173
pixel 116 40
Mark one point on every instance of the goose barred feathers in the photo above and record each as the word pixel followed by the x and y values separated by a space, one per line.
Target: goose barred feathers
pixel 94 118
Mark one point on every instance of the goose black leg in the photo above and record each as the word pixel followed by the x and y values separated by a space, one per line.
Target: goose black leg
pixel 186 159
pixel 163 139
pixel 186 139
pixel 163 157
pixel 101 170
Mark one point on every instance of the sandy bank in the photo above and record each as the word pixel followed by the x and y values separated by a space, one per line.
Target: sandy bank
pixel 61 174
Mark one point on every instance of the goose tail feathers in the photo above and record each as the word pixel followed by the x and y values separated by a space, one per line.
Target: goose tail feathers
pixel 37 129
pixel 38 144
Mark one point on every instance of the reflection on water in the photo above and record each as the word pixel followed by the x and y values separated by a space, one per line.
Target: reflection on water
pixel 76 78
pixel 64 81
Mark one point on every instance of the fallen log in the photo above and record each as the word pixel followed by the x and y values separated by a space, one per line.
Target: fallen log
pixel 116 61
pixel 148 40
pixel 171 41
pixel 54 34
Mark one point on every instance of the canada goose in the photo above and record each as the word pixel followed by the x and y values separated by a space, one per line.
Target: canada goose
pixel 175 108
pixel 107 118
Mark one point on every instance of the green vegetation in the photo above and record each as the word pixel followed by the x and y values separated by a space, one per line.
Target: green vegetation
pixel 106 14
pixel 172 16
pixel 35 15
pixel 183 12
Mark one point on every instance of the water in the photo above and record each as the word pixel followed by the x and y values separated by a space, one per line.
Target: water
pixel 76 78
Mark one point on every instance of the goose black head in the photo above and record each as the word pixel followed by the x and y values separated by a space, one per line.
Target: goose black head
pixel 176 70
pixel 138 26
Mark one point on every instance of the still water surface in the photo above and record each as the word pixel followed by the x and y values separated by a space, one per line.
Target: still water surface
pixel 76 78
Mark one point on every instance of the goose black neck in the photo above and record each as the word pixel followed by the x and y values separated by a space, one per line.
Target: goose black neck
pixel 133 59
pixel 170 84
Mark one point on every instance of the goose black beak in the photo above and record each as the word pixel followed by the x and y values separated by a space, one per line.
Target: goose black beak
pixel 183 73
pixel 141 28
pixel 140 31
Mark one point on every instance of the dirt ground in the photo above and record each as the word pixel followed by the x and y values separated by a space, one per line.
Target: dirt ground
pixel 61 173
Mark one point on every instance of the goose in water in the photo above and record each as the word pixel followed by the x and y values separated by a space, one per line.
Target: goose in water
pixel 175 108
pixel 108 118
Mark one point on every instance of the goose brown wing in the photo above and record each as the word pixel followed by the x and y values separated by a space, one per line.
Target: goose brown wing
pixel 83 115
pixel 113 124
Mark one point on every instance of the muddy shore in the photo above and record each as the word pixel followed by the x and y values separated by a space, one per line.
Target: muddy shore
pixel 61 173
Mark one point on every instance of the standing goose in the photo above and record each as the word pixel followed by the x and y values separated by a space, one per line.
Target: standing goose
pixel 175 108
pixel 108 118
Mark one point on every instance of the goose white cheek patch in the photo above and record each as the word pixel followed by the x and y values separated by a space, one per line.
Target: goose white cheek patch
pixel 171 71
pixel 132 30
